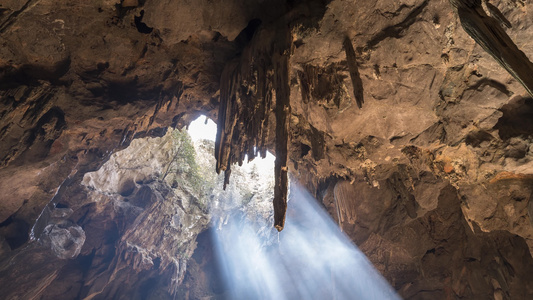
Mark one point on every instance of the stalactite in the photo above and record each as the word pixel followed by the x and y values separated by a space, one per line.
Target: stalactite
pixel 283 112
pixel 321 84
pixel 226 119
pixel 247 87
pixel 487 32
pixel 357 83
pixel 308 79
pixel 345 203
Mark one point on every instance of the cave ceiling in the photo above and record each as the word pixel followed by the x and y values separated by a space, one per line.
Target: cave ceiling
pixel 411 121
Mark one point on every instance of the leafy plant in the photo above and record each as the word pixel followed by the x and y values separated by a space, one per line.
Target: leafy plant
pixel 183 167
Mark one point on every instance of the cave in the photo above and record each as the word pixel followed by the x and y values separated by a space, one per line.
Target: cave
pixel 406 123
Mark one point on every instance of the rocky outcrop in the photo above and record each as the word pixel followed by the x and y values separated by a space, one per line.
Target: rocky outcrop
pixel 489 34
pixel 407 231
pixel 142 212
pixel 99 237
pixel 431 175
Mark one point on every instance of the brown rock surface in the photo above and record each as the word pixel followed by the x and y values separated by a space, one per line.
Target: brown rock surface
pixel 431 177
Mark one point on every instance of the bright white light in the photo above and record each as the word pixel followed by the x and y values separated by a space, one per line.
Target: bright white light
pixel 264 165
pixel 199 130
pixel 313 260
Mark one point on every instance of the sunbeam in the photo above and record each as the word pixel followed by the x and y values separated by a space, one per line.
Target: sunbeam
pixel 312 259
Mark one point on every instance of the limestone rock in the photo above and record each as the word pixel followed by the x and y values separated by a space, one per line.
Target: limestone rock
pixel 65 241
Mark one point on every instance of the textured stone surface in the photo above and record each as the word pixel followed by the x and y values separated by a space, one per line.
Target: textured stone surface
pixel 142 211
pixel 438 157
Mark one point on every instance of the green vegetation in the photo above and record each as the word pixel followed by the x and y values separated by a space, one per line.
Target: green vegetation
pixel 193 173
pixel 183 169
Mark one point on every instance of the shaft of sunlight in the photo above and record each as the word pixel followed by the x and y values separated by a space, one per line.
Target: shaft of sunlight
pixel 310 259
pixel 313 260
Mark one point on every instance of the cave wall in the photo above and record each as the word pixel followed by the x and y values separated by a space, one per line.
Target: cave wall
pixel 431 177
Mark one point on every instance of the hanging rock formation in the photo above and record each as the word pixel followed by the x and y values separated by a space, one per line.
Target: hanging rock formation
pixel 248 86
pixel 488 33
pixel 357 84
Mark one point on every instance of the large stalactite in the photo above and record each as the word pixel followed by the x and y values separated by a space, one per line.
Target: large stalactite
pixel 489 34
pixel 248 86
pixel 354 72
pixel 282 52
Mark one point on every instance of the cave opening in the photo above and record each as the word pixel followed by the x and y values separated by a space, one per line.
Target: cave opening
pixel 249 259
pixel 411 122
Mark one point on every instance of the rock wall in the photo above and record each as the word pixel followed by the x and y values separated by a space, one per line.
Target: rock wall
pixel 135 232
pixel 98 239
pixel 431 176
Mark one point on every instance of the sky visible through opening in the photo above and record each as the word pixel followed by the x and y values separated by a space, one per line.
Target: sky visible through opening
pixel 204 128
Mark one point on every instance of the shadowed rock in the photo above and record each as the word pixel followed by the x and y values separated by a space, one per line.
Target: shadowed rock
pixel 354 72
pixel 497 14
pixel 487 32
